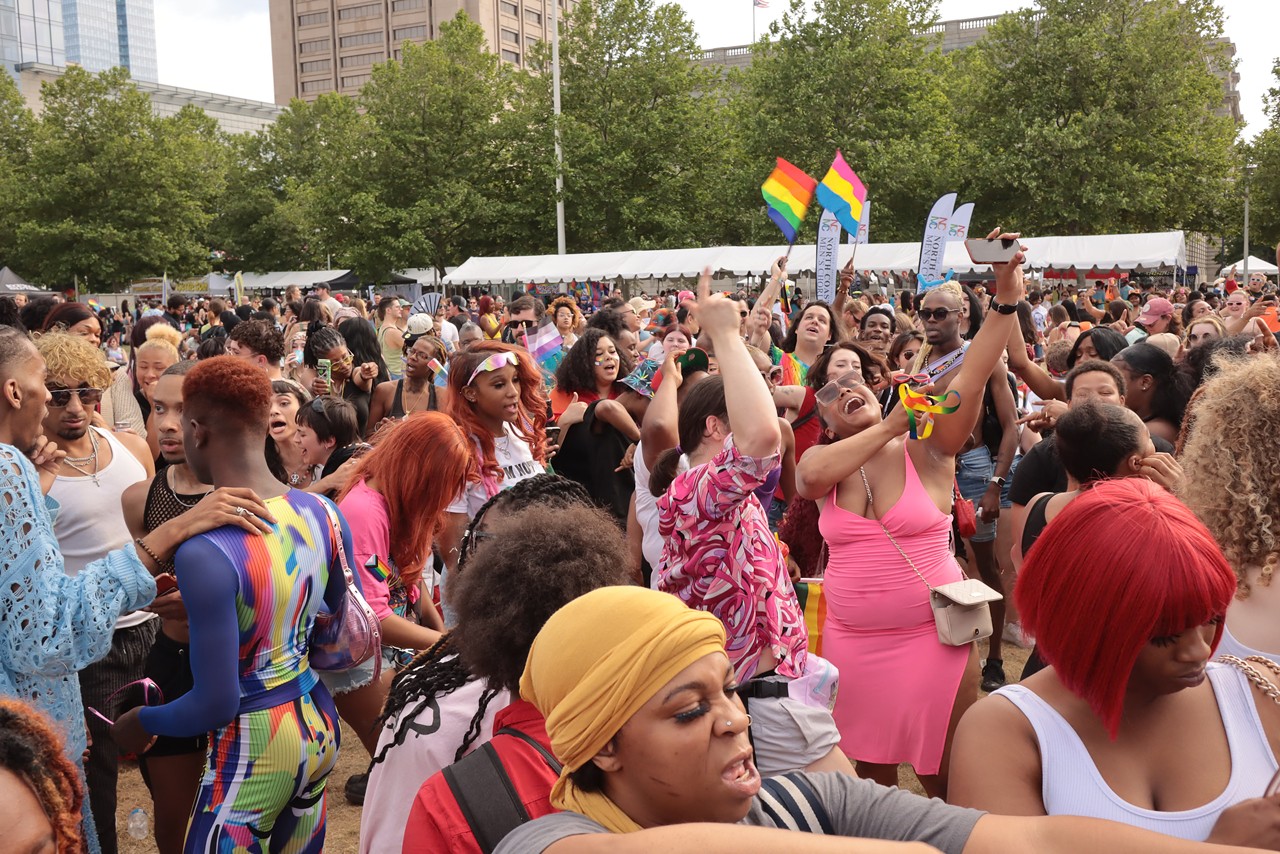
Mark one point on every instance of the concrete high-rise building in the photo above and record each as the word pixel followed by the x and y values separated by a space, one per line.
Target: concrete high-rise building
pixel 320 46
pixel 102 34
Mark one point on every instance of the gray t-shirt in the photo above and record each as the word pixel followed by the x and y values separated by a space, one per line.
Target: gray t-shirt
pixel 857 808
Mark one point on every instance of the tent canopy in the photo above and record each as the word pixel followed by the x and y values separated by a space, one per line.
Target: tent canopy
pixel 1256 265
pixel 1084 253
pixel 12 283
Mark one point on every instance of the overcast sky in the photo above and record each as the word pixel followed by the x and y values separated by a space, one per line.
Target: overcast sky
pixel 224 46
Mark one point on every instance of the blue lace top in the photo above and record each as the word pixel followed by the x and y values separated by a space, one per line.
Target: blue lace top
pixel 52 625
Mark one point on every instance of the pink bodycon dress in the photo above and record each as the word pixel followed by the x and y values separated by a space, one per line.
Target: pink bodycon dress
pixel 897 680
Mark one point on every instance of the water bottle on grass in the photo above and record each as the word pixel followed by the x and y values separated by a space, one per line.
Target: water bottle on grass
pixel 139 823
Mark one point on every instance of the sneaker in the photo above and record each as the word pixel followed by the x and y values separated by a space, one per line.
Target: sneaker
pixel 1014 634
pixel 992 676
pixel 357 783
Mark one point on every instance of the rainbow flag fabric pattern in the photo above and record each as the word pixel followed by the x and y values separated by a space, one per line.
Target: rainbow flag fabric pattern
pixel 843 193
pixel 787 193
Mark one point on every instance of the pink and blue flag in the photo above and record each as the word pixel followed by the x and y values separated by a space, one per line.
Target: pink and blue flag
pixel 841 192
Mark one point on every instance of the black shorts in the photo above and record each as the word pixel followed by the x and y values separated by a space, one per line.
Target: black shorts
pixel 169 666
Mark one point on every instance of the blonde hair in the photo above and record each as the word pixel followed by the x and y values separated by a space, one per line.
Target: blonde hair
pixel 164 338
pixel 923 357
pixel 72 359
pixel 1231 463
pixel 1210 319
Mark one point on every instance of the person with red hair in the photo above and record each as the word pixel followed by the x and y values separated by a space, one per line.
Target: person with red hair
pixel 487 318
pixel 1127 618
pixel 395 503
pixel 496 396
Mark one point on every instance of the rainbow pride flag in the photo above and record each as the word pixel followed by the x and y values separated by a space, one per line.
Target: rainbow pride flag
pixel 787 191
pixel 94 306
pixel 842 193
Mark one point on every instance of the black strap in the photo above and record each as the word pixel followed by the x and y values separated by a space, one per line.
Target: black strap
pixel 760 689
pixel 475 782
pixel 806 418
pixel 551 761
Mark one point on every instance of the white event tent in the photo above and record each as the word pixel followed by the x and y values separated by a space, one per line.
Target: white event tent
pixel 1161 250
pixel 1256 265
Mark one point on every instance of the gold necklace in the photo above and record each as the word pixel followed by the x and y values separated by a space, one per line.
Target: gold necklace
pixel 409 405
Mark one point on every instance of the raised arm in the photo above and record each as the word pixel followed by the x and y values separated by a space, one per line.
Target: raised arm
pixel 660 428
pixel 952 432
pixel 824 466
pixel 1037 378
pixel 752 416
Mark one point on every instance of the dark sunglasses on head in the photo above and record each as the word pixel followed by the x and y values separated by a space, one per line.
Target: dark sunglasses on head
pixel 62 396
pixel 936 313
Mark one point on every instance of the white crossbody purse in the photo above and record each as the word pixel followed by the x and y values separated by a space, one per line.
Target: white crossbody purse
pixel 961 609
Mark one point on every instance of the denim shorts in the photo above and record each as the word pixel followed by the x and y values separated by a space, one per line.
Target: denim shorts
pixel 974 470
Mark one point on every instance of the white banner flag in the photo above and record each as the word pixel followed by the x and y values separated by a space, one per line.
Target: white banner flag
pixel 934 242
pixel 959 228
pixel 828 249
pixel 864 224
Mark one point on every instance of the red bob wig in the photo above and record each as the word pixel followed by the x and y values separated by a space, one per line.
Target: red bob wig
pixel 1122 564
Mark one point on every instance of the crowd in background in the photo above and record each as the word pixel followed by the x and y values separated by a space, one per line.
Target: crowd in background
pixel 593 537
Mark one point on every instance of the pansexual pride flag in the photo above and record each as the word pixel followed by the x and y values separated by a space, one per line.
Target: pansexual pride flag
pixel 788 192
pixel 842 193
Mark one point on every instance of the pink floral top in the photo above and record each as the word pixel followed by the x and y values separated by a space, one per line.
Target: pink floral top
pixel 719 556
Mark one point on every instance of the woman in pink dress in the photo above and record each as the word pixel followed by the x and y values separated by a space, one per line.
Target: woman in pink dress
pixel 901 690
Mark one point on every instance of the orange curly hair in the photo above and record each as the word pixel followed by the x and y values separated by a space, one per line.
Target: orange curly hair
pixel 31 750
pixel 531 422
pixel 235 388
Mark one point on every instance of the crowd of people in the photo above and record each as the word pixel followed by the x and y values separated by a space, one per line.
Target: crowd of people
pixel 589 539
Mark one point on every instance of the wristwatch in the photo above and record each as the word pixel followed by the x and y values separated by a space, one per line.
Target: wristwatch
pixel 1001 308
pixel 998 481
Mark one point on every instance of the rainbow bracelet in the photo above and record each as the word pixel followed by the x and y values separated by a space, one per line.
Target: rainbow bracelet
pixel 926 406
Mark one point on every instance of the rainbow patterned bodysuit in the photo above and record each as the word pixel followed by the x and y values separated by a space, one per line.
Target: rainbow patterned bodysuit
pixel 252 601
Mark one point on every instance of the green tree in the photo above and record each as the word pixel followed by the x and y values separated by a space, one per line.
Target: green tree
pixel 853 75
pixel 110 192
pixel 16 125
pixel 1264 184
pixel 421 180
pixel 266 218
pixel 643 129
pixel 1098 116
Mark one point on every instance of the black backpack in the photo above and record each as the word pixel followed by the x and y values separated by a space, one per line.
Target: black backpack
pixel 478 782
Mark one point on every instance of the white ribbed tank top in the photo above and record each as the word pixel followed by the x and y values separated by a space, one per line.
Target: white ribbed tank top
pixel 1072 785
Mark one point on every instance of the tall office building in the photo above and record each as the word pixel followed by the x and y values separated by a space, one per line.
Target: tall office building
pixel 320 46
pixel 101 34
pixel 31 31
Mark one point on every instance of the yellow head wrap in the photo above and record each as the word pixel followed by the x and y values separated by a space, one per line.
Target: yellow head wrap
pixel 595 663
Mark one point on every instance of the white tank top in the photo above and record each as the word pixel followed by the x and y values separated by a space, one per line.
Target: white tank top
pixel 90 520
pixel 1071 784
pixel 1230 646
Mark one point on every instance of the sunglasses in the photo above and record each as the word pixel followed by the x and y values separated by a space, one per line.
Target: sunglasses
pixel 151 696
pixel 830 392
pixel 495 362
pixel 520 324
pixel 936 313
pixel 773 374
pixel 62 396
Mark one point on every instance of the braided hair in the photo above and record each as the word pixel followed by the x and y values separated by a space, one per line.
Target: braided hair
pixel 31 750
pixel 439 671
